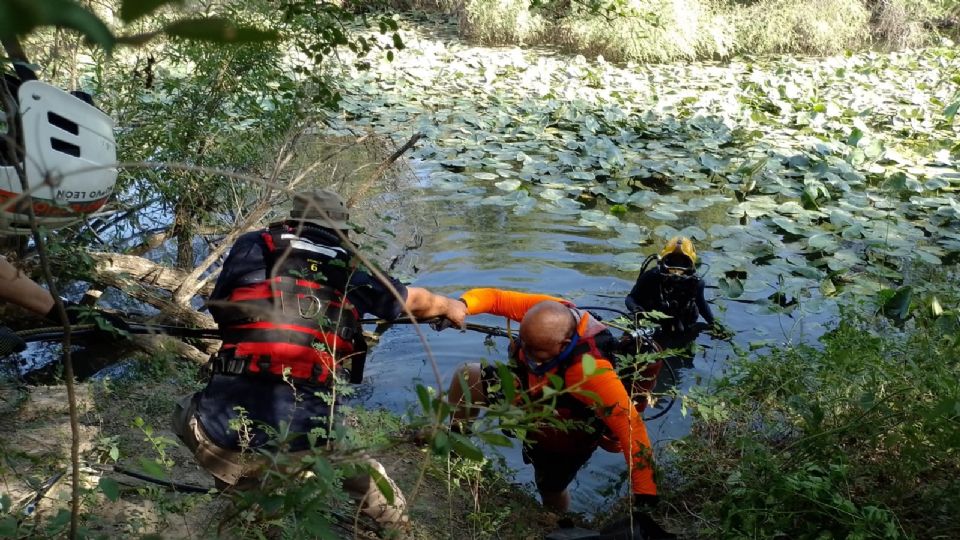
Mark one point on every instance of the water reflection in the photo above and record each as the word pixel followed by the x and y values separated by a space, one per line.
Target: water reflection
pixel 485 245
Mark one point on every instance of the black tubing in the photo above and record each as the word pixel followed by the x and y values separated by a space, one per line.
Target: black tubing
pixel 56 332
pixel 169 484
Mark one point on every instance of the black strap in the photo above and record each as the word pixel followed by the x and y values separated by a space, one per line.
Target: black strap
pixel 226 362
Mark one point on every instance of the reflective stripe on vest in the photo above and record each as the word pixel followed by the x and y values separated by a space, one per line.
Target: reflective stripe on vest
pixel 296 319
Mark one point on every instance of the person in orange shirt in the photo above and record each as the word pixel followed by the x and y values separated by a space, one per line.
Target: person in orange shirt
pixel 554 338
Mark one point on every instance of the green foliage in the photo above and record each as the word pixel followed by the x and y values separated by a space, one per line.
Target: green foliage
pixel 809 181
pixel 646 30
pixel 818 26
pixel 856 439
pixel 18 17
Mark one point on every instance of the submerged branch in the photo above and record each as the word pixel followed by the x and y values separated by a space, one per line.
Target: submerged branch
pixel 365 186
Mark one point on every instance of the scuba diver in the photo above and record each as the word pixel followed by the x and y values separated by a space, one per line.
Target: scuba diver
pixel 673 288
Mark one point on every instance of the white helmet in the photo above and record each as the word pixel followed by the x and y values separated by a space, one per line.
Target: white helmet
pixel 68 141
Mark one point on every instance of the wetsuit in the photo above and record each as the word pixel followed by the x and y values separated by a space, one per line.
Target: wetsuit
pixel 268 401
pixel 682 298
pixel 557 455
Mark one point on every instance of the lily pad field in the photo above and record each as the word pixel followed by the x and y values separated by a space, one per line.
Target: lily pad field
pixel 807 177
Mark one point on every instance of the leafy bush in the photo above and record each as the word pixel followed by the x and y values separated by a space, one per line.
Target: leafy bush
pixel 857 439
pixel 653 32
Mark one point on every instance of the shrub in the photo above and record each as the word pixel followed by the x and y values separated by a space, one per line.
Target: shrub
pixel 899 24
pixel 654 32
pixel 857 439
pixel 807 26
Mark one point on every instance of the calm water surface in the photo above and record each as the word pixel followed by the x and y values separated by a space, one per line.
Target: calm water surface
pixel 471 244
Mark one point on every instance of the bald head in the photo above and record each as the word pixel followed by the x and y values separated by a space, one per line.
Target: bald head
pixel 546 329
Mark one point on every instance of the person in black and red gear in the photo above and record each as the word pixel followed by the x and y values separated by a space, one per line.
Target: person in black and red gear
pixel 673 288
pixel 288 302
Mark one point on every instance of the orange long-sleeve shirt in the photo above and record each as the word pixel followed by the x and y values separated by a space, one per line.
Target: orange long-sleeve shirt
pixel 623 419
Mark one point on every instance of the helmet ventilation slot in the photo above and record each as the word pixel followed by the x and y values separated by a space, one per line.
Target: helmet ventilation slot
pixel 63 123
pixel 63 146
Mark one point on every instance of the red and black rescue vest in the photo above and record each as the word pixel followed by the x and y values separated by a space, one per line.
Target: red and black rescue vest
pixel 292 318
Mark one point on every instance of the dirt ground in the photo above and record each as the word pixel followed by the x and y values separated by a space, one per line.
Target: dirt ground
pixel 448 499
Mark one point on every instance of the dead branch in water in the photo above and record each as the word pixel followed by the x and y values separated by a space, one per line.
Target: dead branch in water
pixel 365 186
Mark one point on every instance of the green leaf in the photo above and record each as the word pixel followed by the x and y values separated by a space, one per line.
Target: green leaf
pixel 397 42
pixel 506 382
pixel 131 10
pixel 951 111
pixel 897 307
pixel 424 396
pixel 110 488
pixel 827 288
pixel 855 135
pixel 465 447
pixel 441 443
pixel 592 396
pixel 496 439
pixel 152 468
pixel 20 17
pixel 809 198
pixel 822 242
pixel 731 287
pixel 873 149
pixel 589 365
pixel 218 30
pixel 383 484
pixel 8 527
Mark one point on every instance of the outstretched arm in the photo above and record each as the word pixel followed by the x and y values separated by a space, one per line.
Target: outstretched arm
pixel 426 305
pixel 18 288
pixel 510 304
pixel 645 287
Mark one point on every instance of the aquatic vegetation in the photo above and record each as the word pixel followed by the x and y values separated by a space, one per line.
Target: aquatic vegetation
pixel 811 177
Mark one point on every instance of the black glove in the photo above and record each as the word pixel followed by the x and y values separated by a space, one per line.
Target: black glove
pixel 10 342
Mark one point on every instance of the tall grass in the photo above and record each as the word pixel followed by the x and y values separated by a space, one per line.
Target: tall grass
pixel 665 30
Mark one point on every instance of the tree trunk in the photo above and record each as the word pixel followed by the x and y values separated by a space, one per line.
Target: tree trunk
pixel 183 231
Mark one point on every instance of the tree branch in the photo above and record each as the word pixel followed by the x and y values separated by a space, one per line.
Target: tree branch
pixel 365 186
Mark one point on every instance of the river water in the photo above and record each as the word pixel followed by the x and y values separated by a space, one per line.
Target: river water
pixel 472 244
